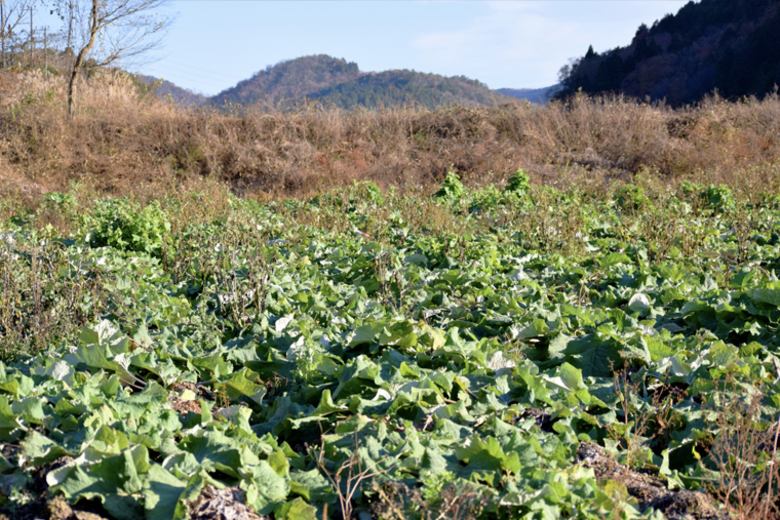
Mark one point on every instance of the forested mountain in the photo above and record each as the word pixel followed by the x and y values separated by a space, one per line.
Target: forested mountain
pixel 339 83
pixel 289 80
pixel 167 90
pixel 729 45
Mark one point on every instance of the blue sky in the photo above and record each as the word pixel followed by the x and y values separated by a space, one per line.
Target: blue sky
pixel 213 44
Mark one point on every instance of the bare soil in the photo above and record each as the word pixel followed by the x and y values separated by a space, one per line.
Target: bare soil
pixel 650 491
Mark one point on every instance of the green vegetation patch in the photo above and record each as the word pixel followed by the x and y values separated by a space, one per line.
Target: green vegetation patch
pixel 508 352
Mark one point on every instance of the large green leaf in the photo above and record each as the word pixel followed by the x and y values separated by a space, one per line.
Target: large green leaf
pixel 266 489
pixel 165 496
pixel 296 510
pixel 595 355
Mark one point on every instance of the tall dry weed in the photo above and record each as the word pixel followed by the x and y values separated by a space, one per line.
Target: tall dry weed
pixel 745 456
pixel 121 138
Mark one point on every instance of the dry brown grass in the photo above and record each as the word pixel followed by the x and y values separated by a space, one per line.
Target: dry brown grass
pixel 120 140
pixel 745 455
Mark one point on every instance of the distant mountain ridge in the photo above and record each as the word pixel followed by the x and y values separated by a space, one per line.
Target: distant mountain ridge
pixel 167 90
pixel 290 80
pixel 728 45
pixel 406 88
pixel 540 96
pixel 338 83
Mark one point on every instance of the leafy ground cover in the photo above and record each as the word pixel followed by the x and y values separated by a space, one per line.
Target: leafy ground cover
pixel 510 352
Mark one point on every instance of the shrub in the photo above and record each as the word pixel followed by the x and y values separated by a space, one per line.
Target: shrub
pixel 124 224
pixel 718 197
pixel 631 198
pixel 452 189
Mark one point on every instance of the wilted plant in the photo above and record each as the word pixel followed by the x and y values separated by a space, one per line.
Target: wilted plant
pixel 744 454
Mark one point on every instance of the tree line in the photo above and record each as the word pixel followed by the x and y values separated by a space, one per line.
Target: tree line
pixel 724 45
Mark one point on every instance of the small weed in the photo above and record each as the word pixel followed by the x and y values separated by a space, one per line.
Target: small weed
pixel 439 498
pixel 348 477
pixel 636 419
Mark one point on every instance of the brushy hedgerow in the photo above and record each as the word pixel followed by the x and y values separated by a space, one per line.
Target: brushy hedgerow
pixel 122 138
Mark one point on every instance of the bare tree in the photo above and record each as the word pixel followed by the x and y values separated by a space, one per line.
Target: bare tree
pixel 70 12
pixel 111 31
pixel 12 13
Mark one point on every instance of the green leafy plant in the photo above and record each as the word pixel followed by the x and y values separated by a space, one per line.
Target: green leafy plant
pixel 126 225
pixel 486 199
pixel 60 200
pixel 433 484
pixel 690 190
pixel 393 355
pixel 631 198
pixel 718 197
pixel 452 189
pixel 371 192
pixel 518 183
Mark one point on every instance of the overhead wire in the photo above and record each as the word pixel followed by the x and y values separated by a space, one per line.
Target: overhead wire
pixel 182 80
pixel 178 70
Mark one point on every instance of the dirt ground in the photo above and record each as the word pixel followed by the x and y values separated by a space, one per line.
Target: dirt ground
pixel 649 491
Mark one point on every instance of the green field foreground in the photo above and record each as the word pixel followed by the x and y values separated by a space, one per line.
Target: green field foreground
pixel 508 352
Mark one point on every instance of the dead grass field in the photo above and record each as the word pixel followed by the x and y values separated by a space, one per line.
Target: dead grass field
pixel 121 141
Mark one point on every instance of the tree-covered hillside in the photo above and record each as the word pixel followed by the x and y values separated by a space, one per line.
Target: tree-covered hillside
pixel 289 80
pixel 406 88
pixel 728 45
pixel 336 82
pixel 166 90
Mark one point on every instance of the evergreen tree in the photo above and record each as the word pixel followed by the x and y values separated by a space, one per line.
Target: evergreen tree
pixel 730 45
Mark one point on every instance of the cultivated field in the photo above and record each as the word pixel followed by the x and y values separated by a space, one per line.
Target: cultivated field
pixel 304 316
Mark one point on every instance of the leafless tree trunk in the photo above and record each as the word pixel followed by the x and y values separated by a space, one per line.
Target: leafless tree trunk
pixel 93 30
pixel 126 29
pixel 70 26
